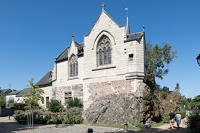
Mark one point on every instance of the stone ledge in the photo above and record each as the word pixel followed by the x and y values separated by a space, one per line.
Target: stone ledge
pixel 72 78
pixel 134 77
pixel 102 68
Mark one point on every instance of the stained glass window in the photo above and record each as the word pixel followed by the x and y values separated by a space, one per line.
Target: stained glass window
pixel 104 51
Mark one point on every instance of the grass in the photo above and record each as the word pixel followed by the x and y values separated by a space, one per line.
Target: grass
pixel 121 126
pixel 114 126
pixel 159 124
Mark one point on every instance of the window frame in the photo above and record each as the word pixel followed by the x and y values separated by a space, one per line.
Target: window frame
pixel 67 95
pixel 47 101
pixel 42 100
pixel 104 51
pixel 130 57
pixel 73 67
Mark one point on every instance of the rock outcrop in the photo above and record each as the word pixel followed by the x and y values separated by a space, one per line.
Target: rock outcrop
pixel 115 109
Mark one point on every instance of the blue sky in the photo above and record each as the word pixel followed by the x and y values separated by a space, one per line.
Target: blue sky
pixel 34 32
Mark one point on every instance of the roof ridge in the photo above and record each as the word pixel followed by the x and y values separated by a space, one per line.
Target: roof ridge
pixel 46 79
pixel 103 11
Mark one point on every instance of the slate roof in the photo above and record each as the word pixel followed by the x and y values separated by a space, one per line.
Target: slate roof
pixel 25 91
pixel 5 91
pixel 64 55
pixel 80 49
pixel 135 36
pixel 13 92
pixel 46 80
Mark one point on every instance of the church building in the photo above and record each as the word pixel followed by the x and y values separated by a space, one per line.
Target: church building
pixel 110 60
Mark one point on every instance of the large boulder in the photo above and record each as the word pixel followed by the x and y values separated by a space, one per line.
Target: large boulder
pixel 115 109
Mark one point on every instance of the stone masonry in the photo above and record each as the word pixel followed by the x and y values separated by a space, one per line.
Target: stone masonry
pixel 123 76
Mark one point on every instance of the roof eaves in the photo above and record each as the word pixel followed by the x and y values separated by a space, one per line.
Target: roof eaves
pixel 137 37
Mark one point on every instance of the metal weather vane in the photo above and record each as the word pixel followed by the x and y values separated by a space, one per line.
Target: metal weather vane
pixel 198 59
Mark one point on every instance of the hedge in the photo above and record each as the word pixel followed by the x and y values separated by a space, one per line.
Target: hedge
pixel 71 116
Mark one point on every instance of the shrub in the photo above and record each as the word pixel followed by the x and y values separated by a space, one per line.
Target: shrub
pixel 185 103
pixel 19 106
pixel 193 120
pixel 195 103
pixel 164 94
pixel 11 105
pixel 75 109
pixel 21 116
pixel 183 113
pixel 38 117
pixel 165 117
pixel 18 112
pixel 54 119
pixel 73 116
pixel 2 100
pixel 34 105
pixel 55 106
pixel 157 117
pixel 140 125
pixel 74 102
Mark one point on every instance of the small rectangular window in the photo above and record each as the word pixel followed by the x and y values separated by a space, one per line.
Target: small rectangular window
pixel 68 95
pixel 76 73
pixel 42 100
pixel 70 70
pixel 130 57
pixel 47 102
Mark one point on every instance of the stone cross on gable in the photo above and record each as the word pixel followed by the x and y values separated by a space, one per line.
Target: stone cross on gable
pixel 103 5
pixel 143 28
pixel 126 9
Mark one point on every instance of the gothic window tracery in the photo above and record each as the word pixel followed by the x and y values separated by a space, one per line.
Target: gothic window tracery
pixel 73 66
pixel 104 51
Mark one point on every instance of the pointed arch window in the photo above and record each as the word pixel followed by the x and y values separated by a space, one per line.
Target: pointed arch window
pixel 103 51
pixel 73 66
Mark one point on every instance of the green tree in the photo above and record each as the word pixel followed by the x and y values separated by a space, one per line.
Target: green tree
pixel 35 95
pixel 184 103
pixel 177 88
pixel 164 92
pixel 55 106
pixel 195 103
pixel 158 59
pixel 2 99
pixel 166 89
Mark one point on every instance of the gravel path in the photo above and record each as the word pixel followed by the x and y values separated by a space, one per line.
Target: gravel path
pixel 10 126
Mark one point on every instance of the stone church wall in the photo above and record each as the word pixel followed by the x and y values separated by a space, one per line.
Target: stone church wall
pixel 62 73
pixel 58 93
pixel 122 76
pixel 76 90
pixel 47 93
